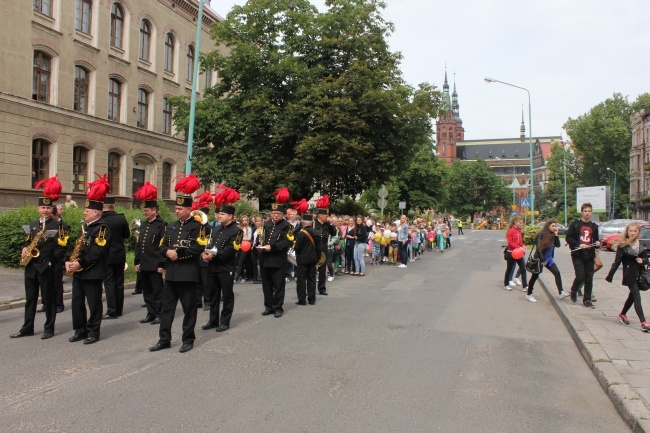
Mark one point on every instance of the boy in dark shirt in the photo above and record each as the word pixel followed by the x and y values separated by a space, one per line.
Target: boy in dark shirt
pixel 582 237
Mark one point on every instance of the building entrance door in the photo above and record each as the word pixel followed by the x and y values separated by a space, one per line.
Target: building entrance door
pixel 138 181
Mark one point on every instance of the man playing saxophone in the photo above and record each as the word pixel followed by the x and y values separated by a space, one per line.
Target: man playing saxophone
pixel 42 251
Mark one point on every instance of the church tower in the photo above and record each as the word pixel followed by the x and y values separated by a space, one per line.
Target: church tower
pixel 449 127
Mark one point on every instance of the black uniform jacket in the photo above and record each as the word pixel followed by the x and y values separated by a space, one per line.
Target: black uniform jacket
pixel 94 252
pixel 631 269
pixel 50 249
pixel 182 237
pixel 305 248
pixel 280 237
pixel 147 245
pixel 224 238
pixel 120 231
pixel 324 231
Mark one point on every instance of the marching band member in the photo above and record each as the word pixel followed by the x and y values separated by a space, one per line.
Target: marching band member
pixel 324 230
pixel 88 265
pixel 149 261
pixel 202 203
pixel 114 281
pixel 273 245
pixel 306 259
pixel 226 238
pixel 41 253
pixel 181 249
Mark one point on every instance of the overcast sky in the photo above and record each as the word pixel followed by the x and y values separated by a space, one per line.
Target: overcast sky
pixel 570 54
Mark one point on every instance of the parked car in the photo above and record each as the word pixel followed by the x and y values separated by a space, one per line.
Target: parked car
pixel 614 226
pixel 561 230
pixel 607 242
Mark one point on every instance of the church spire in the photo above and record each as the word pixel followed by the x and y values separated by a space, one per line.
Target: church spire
pixel 522 128
pixel 454 99
pixel 445 91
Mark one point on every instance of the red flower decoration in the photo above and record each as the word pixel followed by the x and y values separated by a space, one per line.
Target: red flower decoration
pixel 51 187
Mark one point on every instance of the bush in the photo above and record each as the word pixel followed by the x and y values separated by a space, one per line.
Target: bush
pixel 12 234
pixel 530 234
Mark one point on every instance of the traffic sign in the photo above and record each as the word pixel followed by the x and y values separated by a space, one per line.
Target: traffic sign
pixel 381 203
pixel 383 191
pixel 525 202
pixel 402 205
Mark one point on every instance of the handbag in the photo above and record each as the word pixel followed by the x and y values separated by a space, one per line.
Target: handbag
pixel 644 281
pixel 533 264
pixel 598 264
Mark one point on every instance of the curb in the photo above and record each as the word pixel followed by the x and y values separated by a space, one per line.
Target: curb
pixel 627 401
pixel 66 295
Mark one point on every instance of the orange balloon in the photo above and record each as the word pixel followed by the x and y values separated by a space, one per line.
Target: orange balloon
pixel 246 245
pixel 518 253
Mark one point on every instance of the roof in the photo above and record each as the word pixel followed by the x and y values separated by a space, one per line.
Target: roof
pixel 507 141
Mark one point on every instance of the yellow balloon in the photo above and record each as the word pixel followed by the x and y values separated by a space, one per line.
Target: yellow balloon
pixel 384 241
pixel 377 237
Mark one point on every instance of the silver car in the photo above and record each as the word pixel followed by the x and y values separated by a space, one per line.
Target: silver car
pixel 614 226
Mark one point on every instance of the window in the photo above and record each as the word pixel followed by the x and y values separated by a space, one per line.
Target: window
pixel 43 6
pixel 80 89
pixel 145 38
pixel 41 84
pixel 167 117
pixel 143 108
pixel 79 167
pixel 40 159
pixel 117 25
pixel 169 52
pixel 84 7
pixel 114 172
pixel 166 180
pixel 208 78
pixel 189 68
pixel 114 100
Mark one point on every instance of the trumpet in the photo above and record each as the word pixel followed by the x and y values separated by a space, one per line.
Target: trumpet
pixel 183 243
pixel 210 250
pixel 199 217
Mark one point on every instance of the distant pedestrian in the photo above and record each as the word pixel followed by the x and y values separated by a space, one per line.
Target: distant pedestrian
pixel 634 256
pixel 582 237
pixel 69 203
pixel 460 227
pixel 547 241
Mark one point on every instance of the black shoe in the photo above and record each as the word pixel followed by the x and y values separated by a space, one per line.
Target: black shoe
pixel 136 292
pixel 267 312
pixel 143 306
pixel 222 328
pixel 574 297
pixel 588 304
pixel 160 346
pixel 209 326
pixel 21 334
pixel 186 347
pixel 78 336
pixel 156 321
pixel 91 340
pixel 148 319
pixel 324 293
pixel 312 302
pixel 278 314
pixel 60 308
pixel 580 292
pixel 207 307
pixel 302 302
pixel 593 299
pixel 108 316
pixel 47 335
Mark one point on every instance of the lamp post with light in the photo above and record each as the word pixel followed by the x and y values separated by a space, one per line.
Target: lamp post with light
pixel 614 195
pixel 530 145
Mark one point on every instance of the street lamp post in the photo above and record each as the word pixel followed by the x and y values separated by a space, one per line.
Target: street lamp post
pixel 565 208
pixel 530 146
pixel 614 195
pixel 197 50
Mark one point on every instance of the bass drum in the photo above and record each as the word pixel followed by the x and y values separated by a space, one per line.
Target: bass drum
pixel 291 256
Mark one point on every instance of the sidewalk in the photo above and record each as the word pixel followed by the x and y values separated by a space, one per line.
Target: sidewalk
pixel 618 355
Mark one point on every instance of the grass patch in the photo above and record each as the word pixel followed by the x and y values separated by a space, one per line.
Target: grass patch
pixel 129 275
pixel 603 360
pixel 615 383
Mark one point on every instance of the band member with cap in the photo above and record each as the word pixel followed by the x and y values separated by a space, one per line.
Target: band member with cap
pixel 306 259
pixel 114 281
pixel 57 214
pixel 273 244
pixel 42 251
pixel 203 296
pixel 226 239
pixel 88 265
pixel 181 250
pixel 324 230
pixel 149 261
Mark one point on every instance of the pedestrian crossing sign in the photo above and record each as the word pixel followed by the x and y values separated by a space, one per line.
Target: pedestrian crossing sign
pixel 525 202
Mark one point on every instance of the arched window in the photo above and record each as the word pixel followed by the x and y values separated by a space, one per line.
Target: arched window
pixel 41 80
pixel 114 170
pixel 43 6
pixel 145 40
pixel 40 159
pixel 143 108
pixel 114 100
pixel 80 89
pixel 117 25
pixel 166 180
pixel 189 68
pixel 169 52
pixel 79 168
pixel 83 15
pixel 167 117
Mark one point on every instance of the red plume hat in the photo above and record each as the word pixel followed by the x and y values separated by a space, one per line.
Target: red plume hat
pixel 323 205
pixel 148 193
pixel 188 185
pixel 300 206
pixel 51 190
pixel 225 198
pixel 96 192
pixel 281 196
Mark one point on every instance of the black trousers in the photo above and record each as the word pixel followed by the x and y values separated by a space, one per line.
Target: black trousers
pixel 222 285
pixel 245 265
pixel 322 277
pixel 204 289
pixel 511 262
pixel 45 282
pixel 58 283
pixel 185 291
pixel 114 289
pixel 89 291
pixel 584 269
pixel 460 231
pixel 306 282
pixel 273 285
pixel 556 273
pixel 634 298
pixel 255 263
pixel 151 283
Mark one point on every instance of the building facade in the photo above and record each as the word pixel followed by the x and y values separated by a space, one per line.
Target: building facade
pixel 640 166
pixel 84 88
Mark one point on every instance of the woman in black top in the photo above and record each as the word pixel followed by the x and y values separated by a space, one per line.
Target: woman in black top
pixel 361 237
pixel 350 243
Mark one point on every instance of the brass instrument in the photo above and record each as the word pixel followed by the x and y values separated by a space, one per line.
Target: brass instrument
pixel 183 243
pixel 199 217
pixel 77 249
pixel 33 251
pixel 211 250
pixel 291 256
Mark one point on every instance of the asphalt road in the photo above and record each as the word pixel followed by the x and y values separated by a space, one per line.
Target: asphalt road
pixel 438 346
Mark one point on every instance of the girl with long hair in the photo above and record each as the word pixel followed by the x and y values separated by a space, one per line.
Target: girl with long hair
pixel 547 241
pixel 350 242
pixel 361 238
pixel 634 256
pixel 515 239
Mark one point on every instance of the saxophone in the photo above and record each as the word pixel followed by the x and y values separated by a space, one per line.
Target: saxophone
pixel 77 249
pixel 33 251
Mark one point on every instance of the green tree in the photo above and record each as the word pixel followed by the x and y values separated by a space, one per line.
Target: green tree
pixel 554 192
pixel 313 101
pixel 474 187
pixel 423 183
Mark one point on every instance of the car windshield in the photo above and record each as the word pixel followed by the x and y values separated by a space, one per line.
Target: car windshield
pixel 645 233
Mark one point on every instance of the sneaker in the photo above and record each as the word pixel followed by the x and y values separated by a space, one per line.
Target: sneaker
pixel 524 289
pixel 531 298
pixel 401 265
pixel 645 326
pixel 512 284
pixel 330 278
pixel 564 295
pixel 574 297
pixel 623 319
pixel 588 304
pixel 507 288
pixel 517 281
